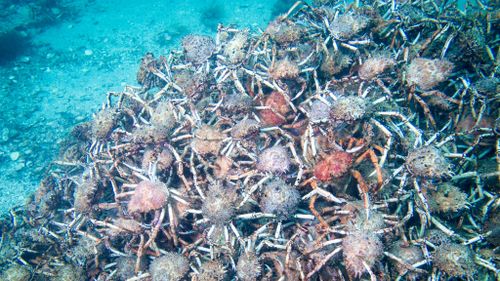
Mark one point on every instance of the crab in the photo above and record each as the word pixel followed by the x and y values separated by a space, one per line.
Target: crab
pixel 341 162
pixel 175 206
pixel 358 235
pixel 231 54
pixel 242 135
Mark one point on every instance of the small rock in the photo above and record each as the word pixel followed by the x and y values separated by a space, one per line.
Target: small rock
pixel 15 155
pixel 19 166
pixel 5 135
pixel 167 37
pixel 88 52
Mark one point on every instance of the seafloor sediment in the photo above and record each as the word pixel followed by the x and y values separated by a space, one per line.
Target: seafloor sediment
pixel 353 142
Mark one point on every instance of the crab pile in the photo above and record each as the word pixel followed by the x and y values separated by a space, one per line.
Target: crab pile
pixel 341 143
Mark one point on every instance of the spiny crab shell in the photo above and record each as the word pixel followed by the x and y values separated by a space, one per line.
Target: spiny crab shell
pixel 278 109
pixel 334 165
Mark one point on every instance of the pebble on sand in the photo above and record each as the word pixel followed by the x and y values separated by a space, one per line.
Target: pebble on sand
pixel 15 155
